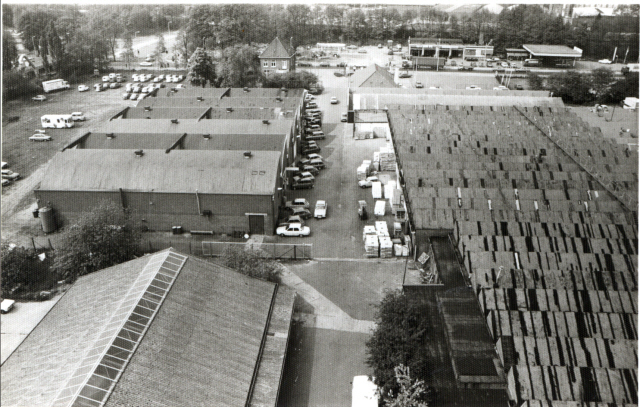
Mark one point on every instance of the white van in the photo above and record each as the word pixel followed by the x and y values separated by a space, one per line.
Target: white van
pixel 57 121
pixel 531 62
pixel 364 392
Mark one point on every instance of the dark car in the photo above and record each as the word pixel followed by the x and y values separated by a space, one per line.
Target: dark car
pixel 308 168
pixel 304 213
pixel 338 74
pixel 465 68
pixel 316 135
pixel 315 162
pixel 324 64
pixel 301 183
pixel 341 64
pixel 304 63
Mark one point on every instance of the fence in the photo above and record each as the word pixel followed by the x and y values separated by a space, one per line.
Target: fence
pixel 274 250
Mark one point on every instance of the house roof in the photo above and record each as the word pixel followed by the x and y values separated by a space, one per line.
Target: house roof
pixel 277 49
pixel 203 342
pixel 373 76
pixel 552 50
pixel 179 171
pixel 191 126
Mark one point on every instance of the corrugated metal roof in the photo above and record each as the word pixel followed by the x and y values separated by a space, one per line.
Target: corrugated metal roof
pixel 277 49
pixel 191 126
pixel 253 142
pixel 164 112
pixel 180 171
pixel 289 103
pixel 194 91
pixel 551 50
pixel 379 101
pixel 448 91
pixel 264 92
pixel 122 141
pixel 191 353
pixel 251 113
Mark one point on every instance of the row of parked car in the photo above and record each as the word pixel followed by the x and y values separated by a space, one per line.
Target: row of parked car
pixel 8 176
pixel 298 211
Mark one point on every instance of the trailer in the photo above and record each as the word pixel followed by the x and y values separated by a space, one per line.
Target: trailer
pixel 55 84
pixel 57 121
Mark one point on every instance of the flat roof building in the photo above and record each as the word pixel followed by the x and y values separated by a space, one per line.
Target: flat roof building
pixel 554 55
pixel 166 329
pixel 447 48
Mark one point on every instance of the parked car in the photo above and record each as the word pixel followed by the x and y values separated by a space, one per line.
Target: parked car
pixel 504 64
pixel 366 183
pixel 294 229
pixel 604 61
pixel 315 135
pixel 404 75
pixel 501 87
pixel 419 85
pixel 126 96
pixel 292 219
pixel 83 88
pixel 4 164
pixel 311 105
pixel 39 98
pixel 324 64
pixel 334 100
pixel 304 213
pixel 338 74
pixel 145 63
pixel 519 87
pixel 302 183
pixel 115 85
pixel 341 64
pixel 314 157
pixel 304 64
pixel 78 116
pixel 5 182
pixel 489 64
pixel 465 68
pixel 311 149
pixel 321 210
pixel 10 175
pixel 473 87
pixel 6 305
pixel 362 51
pixel 40 137
pixel 309 168
pixel 343 117
pixel 297 203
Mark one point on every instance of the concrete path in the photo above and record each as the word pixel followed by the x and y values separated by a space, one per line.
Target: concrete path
pixel 327 314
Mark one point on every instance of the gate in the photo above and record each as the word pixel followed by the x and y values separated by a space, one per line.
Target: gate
pixel 256 224
pixel 276 251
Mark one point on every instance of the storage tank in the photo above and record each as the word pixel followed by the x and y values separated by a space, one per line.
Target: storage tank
pixel 48 219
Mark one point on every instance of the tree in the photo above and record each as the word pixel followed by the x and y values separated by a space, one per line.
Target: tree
pixel 535 81
pixel 22 270
pixel 411 393
pixel 56 48
pixel 291 80
pixel 103 237
pixel 572 87
pixel 32 24
pixel 240 67
pixel 601 81
pixel 398 339
pixel 14 85
pixel 253 263
pixel 128 48
pixel 7 15
pixel 202 68
pixel 9 51
pixel 160 48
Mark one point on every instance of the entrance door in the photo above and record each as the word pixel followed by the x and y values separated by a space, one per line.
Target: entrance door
pixel 256 224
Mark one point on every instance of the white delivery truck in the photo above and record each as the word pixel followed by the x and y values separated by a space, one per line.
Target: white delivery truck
pixel 364 392
pixel 55 84
pixel 57 121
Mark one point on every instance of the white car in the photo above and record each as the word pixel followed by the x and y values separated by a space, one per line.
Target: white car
pixel 39 98
pixel 6 305
pixel 83 88
pixel 40 137
pixel 366 183
pixel 4 165
pixel 501 87
pixel 297 203
pixel 293 229
pixel 5 182
pixel 314 156
pixel 334 100
pixel 78 116
pixel 604 61
pixel 10 175
pixel 145 63
pixel 321 210
pixel 180 86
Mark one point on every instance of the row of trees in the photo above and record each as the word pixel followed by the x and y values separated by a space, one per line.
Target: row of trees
pixel 600 86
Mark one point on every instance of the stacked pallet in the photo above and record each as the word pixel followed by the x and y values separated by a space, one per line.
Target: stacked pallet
pixel 380 208
pixel 381 228
pixel 371 246
pixel 387 159
pixel 376 189
pixel 389 189
pixel 386 247
pixel 376 161
pixel 361 173
pixel 369 230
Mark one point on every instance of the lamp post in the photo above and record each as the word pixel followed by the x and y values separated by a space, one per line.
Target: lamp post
pixel 33 42
pixel 169 26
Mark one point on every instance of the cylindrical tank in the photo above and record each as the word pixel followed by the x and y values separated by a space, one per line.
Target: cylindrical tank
pixel 48 219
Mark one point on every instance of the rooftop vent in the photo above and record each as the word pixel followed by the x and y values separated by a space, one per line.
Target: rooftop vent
pixel 138 153
pixel 279 99
pixel 247 154
pixel 245 89
pixel 229 109
pixel 110 135
pixel 199 98
pixel 265 121
pixel 174 121
pixel 283 89
pixel 206 136
pixel 147 108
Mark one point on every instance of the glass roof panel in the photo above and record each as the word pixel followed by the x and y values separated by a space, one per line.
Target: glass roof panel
pixel 108 355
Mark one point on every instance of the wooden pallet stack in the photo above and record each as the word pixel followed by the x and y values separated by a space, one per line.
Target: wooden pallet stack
pixel 386 247
pixel 372 246
pixel 387 159
pixel 369 230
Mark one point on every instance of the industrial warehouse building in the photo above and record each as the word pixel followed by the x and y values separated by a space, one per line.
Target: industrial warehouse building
pixel 217 191
pixel 165 329
pixel 185 164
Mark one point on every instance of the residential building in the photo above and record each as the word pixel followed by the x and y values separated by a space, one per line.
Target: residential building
pixel 278 58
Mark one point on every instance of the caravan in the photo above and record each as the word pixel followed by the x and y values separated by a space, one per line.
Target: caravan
pixel 57 121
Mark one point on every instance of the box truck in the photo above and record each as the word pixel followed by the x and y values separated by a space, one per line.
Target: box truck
pixel 55 84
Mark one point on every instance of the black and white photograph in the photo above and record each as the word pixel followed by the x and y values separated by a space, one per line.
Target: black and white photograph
pixel 294 204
